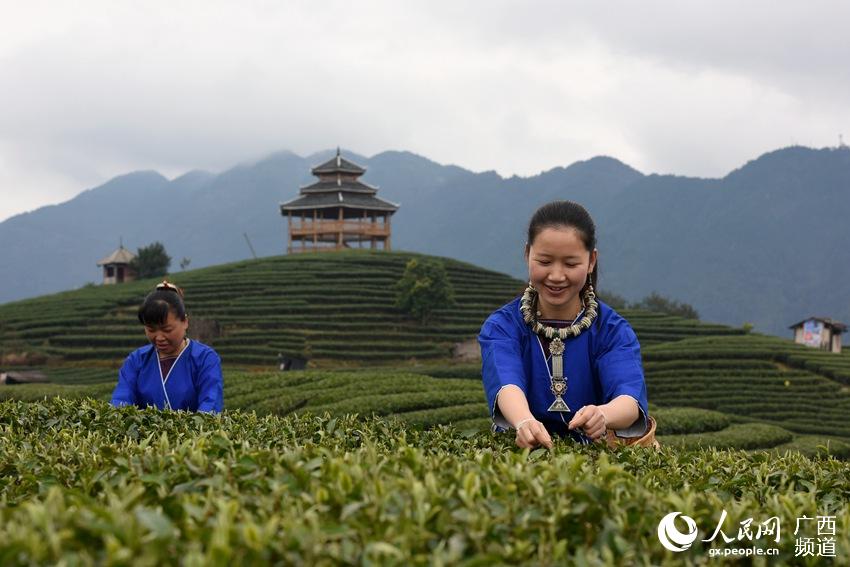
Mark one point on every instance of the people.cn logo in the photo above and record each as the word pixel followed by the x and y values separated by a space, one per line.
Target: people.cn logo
pixel 672 538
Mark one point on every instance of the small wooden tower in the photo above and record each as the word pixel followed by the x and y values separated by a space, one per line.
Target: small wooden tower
pixel 338 211
pixel 819 332
pixel 116 266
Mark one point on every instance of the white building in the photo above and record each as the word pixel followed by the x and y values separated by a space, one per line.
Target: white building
pixel 819 332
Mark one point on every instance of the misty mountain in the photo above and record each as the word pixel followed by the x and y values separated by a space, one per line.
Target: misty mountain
pixel 762 245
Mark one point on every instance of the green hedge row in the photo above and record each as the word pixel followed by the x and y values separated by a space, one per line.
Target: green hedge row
pixel 736 436
pixel 672 421
pixel 390 404
pixel 445 415
pixel 719 363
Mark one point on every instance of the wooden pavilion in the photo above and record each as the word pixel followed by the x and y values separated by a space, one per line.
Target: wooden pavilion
pixel 116 267
pixel 338 211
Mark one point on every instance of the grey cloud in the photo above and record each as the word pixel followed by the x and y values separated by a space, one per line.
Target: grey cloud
pixel 685 87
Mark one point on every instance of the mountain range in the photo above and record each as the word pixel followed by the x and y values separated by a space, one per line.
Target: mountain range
pixel 764 244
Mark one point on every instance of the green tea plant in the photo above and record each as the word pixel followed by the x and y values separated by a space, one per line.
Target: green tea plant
pixel 83 483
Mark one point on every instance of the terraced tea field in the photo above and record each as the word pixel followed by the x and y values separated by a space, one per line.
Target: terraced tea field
pixel 323 307
pixel 422 400
pixel 330 308
pixel 708 384
pixel 349 462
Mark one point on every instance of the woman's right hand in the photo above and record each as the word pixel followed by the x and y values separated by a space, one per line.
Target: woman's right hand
pixel 530 433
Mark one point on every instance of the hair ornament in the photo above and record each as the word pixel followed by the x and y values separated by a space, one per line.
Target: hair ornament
pixel 168 286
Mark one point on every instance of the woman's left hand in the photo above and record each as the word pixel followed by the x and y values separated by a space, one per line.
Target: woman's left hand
pixel 591 420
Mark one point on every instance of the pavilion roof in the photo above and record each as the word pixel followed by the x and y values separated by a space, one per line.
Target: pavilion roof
pixel 120 256
pixel 339 185
pixel 342 199
pixel 338 164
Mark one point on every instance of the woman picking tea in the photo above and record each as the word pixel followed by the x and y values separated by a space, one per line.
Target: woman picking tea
pixel 558 361
pixel 173 371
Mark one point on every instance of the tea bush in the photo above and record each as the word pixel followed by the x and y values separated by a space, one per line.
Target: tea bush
pixel 82 483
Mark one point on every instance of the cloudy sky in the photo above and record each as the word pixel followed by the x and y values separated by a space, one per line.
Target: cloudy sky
pixel 92 89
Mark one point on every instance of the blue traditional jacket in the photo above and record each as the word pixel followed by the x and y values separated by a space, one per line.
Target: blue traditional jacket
pixel 600 364
pixel 194 382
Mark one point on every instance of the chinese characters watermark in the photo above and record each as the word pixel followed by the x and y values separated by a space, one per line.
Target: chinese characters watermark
pixel 815 537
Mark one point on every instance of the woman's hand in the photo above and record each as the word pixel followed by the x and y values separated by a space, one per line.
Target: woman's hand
pixel 591 421
pixel 530 433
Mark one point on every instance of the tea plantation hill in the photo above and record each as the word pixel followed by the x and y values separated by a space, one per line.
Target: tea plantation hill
pixel 709 384
pixel 332 308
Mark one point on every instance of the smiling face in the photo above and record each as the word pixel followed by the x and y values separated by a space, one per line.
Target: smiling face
pixel 558 266
pixel 168 337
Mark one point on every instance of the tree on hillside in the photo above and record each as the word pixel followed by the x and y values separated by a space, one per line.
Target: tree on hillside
pixel 424 287
pixel 660 304
pixel 151 261
pixel 613 300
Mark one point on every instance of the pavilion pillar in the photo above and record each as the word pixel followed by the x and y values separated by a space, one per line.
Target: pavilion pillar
pixel 289 224
pixel 339 234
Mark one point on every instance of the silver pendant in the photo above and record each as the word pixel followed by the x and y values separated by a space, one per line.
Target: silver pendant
pixel 558 388
pixel 560 405
pixel 559 382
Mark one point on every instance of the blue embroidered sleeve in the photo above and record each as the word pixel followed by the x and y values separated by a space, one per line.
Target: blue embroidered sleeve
pixel 501 359
pixel 125 392
pixel 621 372
pixel 210 383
